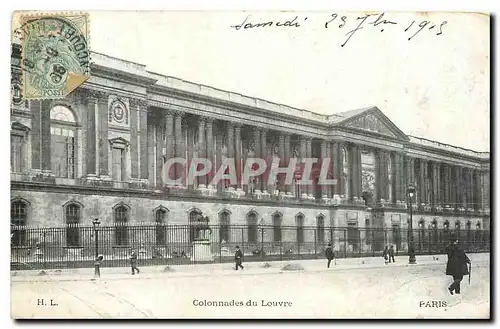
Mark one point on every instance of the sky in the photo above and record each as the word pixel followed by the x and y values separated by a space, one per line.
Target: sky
pixel 435 85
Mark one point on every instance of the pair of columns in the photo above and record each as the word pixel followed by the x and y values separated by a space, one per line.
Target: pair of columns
pixel 97 137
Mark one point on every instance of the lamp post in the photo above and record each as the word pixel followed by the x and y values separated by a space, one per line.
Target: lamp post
pixel 96 224
pixel 411 247
pixel 261 224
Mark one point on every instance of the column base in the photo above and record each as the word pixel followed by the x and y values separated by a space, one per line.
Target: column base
pixel 239 192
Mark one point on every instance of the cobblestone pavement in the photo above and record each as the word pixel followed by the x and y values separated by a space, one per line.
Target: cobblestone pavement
pixel 354 288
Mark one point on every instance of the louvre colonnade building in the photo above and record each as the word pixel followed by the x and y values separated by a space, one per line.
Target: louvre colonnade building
pixel 99 153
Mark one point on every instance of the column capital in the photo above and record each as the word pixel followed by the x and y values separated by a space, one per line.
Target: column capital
pixel 95 95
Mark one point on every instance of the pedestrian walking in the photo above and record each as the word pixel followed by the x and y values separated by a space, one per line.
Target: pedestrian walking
pixel 385 253
pixel 133 262
pixel 238 258
pixel 456 265
pixel 391 254
pixel 329 254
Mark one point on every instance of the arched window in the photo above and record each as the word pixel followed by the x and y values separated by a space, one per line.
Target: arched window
pixel 18 219
pixel 252 227
pixel 299 222
pixel 63 133
pixel 277 218
pixel 320 228
pixel 73 216
pixel 121 216
pixel 161 214
pixel 224 221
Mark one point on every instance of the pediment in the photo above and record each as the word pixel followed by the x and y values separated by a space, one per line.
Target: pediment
pixel 373 121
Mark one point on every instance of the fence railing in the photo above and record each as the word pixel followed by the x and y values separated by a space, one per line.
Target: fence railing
pixel 75 246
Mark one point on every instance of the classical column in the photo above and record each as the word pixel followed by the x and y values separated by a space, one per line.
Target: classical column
pixel 281 154
pixel 134 145
pixel 237 151
pixel 91 136
pixel 264 153
pixel 477 187
pixel 151 150
pixel 256 142
pixel 210 147
pixel 102 105
pixel 143 139
pixel 463 188
pixel 46 136
pixel 230 144
pixel 354 169
pixel 303 155
pixel 445 193
pixel 218 157
pixel 167 124
pixel 435 184
pixel 454 187
pixel 310 187
pixel 287 153
pixel 471 189
pixel 160 128
pixel 326 155
pixel 337 168
pixel 202 180
pixel 421 182
pixel 36 119
pixel 400 177
pixel 359 172
pixel 378 176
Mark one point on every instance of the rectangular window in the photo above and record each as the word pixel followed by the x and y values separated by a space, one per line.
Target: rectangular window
pixel 277 233
pixel 320 233
pixel 16 154
pixel 118 158
pixel 63 153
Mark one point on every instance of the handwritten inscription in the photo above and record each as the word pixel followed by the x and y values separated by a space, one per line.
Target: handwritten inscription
pixel 353 25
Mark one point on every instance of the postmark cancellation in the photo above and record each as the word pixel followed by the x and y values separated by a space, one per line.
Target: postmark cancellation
pixel 55 52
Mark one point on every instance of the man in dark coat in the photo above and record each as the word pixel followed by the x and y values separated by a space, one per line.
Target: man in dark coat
pixel 133 262
pixel 329 254
pixel 456 265
pixel 385 253
pixel 238 258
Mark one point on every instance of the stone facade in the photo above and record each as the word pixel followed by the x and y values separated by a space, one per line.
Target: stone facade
pixel 105 145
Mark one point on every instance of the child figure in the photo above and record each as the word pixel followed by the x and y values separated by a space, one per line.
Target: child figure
pixel 97 266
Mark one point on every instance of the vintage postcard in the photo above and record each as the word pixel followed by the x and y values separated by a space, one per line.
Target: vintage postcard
pixel 250 165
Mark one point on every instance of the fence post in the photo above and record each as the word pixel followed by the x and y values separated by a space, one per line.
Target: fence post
pixel 315 250
pixel 262 242
pixel 243 240
pixel 345 243
pixel 430 250
pixel 360 242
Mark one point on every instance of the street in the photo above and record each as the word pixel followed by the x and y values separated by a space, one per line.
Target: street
pixel 392 291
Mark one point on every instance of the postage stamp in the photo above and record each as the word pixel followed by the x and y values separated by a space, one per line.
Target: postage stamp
pixel 55 53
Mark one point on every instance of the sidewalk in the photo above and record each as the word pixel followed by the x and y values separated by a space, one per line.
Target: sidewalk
pixel 251 268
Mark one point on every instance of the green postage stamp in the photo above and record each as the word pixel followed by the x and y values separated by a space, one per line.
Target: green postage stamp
pixel 55 53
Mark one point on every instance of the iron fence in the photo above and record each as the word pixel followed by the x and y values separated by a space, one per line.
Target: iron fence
pixel 74 246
